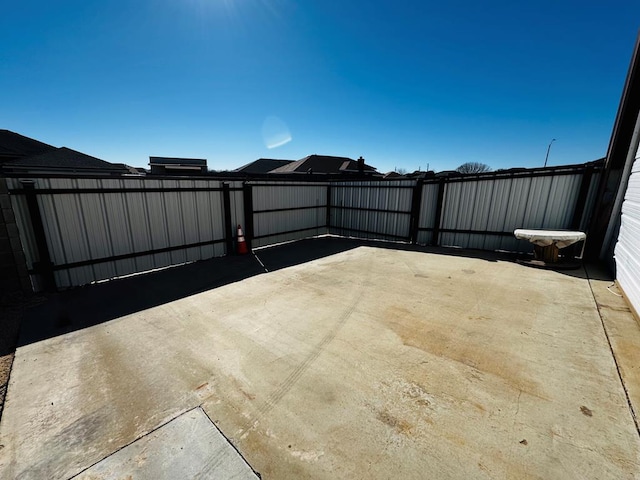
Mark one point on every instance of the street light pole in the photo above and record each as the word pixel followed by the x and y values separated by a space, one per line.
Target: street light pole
pixel 548 148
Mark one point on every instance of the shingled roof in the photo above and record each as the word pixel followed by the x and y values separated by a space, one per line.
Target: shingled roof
pixel 263 165
pixel 64 160
pixel 323 164
pixel 13 145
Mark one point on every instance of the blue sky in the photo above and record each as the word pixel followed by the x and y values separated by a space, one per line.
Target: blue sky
pixel 406 84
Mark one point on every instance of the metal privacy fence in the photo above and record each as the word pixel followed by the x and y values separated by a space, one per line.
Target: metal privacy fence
pixel 80 230
pixel 76 231
pixel 285 211
pixel 482 212
pixel 372 209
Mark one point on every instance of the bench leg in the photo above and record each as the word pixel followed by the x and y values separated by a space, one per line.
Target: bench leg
pixel 548 254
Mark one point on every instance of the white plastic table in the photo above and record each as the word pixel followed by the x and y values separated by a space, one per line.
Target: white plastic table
pixel 548 242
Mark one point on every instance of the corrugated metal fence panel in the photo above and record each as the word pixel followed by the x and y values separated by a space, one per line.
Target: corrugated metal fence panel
pixel 237 206
pixel 561 203
pixel 458 202
pixel 504 204
pixel 81 227
pixel 428 205
pixel 90 226
pixel 310 230
pixel 384 195
pixel 65 230
pixel 278 195
pixel 304 213
pixel 27 236
pixel 501 216
pixel 590 202
pixel 627 250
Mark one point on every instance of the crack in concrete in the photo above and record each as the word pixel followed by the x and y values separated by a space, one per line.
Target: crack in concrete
pixel 517 408
pixel 613 355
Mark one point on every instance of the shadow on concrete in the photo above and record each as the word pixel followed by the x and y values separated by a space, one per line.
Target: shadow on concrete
pixel 599 271
pixel 592 270
pixel 302 251
pixel 83 307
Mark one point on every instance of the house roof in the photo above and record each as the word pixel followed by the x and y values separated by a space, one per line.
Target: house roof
pixel 13 145
pixel 263 165
pixel 322 164
pixel 63 158
pixel 194 162
pixel 393 175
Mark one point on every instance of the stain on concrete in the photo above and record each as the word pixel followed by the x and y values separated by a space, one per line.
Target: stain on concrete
pixel 307 456
pixel 473 350
pixel 398 424
pixel 586 411
pixel 417 393
pixel 616 308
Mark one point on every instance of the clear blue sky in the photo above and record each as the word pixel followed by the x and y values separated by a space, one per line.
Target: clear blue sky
pixel 402 83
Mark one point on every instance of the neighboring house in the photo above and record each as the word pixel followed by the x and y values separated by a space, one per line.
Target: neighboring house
pixel 393 176
pixel 262 165
pixel 136 170
pixel 20 154
pixel 177 166
pixel 14 146
pixel 65 160
pixel 325 164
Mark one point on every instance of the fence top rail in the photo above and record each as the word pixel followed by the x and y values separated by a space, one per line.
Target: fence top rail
pixel 126 176
pixel 339 185
pixel 287 184
pixel 524 173
pixel 67 191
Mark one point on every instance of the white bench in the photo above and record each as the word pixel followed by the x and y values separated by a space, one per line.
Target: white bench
pixel 548 242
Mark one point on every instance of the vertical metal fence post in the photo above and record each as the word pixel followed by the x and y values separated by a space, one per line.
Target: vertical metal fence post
pixel 44 266
pixel 328 219
pixel 582 198
pixel 247 196
pixel 228 228
pixel 435 237
pixel 416 201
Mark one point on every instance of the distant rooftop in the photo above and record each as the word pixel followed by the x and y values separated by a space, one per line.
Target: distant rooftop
pixel 64 159
pixel 263 165
pixel 13 145
pixel 323 164
pixel 198 162
pixel 177 166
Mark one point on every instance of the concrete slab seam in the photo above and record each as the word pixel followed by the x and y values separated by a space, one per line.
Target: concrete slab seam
pixel 615 360
pixel 259 261
pixel 182 412
pixel 229 442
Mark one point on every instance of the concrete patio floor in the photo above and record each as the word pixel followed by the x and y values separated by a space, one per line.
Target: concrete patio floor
pixel 365 362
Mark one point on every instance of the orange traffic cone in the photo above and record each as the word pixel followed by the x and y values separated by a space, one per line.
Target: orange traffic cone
pixel 242 243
